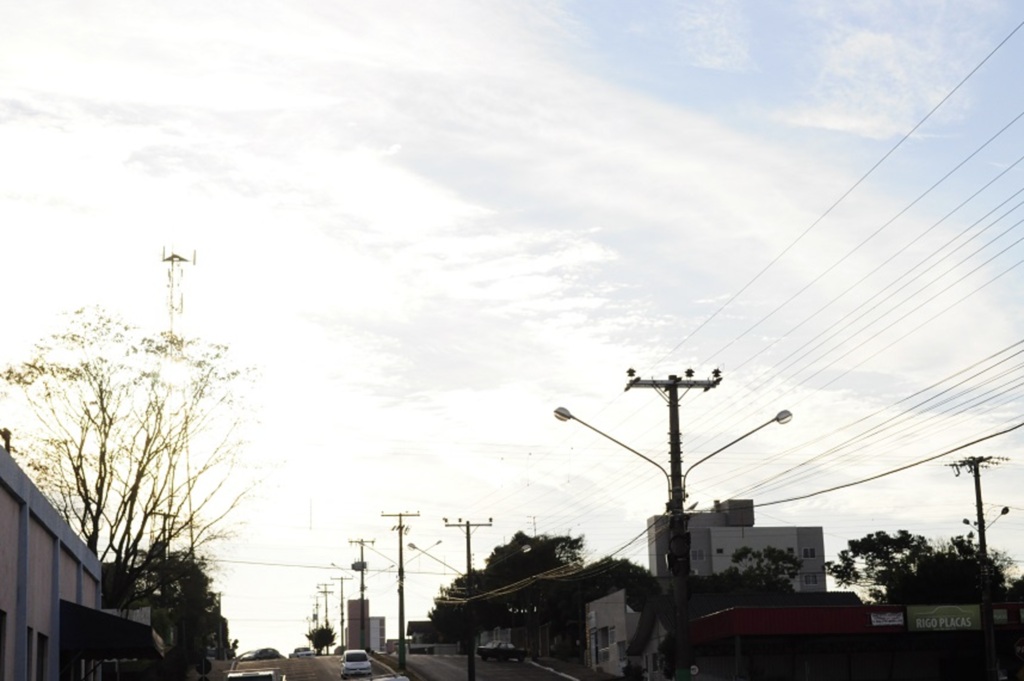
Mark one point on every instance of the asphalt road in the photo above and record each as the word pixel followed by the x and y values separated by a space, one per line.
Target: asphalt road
pixel 453 668
pixel 325 668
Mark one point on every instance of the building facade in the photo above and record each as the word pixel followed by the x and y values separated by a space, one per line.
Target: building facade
pixel 610 625
pixel 51 626
pixel 716 534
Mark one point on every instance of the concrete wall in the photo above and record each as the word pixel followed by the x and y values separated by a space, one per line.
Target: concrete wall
pixel 42 560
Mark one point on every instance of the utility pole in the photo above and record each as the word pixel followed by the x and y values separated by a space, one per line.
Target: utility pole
pixel 470 624
pixel 402 529
pixel 679 536
pixel 324 591
pixel 341 610
pixel 360 567
pixel 974 465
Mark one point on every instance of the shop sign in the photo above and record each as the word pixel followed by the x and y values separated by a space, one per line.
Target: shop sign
pixel 944 617
pixel 887 619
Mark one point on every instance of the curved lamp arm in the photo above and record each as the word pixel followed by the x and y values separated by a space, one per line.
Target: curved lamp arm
pixel 783 417
pixel 563 414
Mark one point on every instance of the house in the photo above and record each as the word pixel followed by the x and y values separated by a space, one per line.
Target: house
pixel 729 525
pixel 610 624
pixel 51 625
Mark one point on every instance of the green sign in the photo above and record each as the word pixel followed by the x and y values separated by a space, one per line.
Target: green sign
pixel 943 617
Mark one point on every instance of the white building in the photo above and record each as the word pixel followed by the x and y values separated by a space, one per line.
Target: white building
pixel 716 534
pixel 610 625
pixel 51 627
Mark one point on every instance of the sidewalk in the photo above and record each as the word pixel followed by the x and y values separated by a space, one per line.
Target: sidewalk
pixel 573 670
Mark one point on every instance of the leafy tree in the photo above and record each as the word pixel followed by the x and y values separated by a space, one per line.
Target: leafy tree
pixel 907 569
pixel 321 638
pixel 137 439
pixel 767 570
pixel 538 580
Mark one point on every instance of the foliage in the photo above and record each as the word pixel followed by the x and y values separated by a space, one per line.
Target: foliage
pixel 766 570
pixel 321 638
pixel 908 569
pixel 137 439
pixel 186 604
pixel 537 580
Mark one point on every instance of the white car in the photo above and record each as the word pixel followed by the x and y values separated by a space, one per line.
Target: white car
pixel 303 652
pixel 355 663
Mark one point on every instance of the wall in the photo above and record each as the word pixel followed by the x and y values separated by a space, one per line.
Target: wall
pixel 41 562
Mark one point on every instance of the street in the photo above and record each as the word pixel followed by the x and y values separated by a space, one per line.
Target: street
pixel 325 668
pixel 453 668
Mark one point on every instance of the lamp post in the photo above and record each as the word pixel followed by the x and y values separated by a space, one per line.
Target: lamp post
pixel 679 537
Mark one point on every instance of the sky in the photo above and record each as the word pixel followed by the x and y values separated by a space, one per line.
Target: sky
pixel 428 225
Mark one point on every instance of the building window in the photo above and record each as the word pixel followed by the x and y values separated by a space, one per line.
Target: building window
pixel 29 657
pixel 719 551
pixel 809 552
pixel 3 645
pixel 42 646
pixel 811 579
pixel 696 554
pixel 790 550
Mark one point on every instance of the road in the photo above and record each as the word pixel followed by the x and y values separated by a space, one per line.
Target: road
pixel 453 668
pixel 325 668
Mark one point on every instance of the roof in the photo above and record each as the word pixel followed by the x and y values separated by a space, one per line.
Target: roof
pixel 661 609
pixel 91 634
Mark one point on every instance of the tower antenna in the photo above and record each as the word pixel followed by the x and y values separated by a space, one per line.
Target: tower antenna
pixel 175 297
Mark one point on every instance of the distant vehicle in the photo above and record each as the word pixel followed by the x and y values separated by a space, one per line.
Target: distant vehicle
pixel 303 652
pixel 260 654
pixel 355 663
pixel 499 650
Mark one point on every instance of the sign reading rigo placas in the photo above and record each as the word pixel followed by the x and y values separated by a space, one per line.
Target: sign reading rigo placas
pixel 943 617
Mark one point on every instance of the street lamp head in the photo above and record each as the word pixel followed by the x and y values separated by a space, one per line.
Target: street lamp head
pixel 1006 509
pixel 563 414
pixel 784 416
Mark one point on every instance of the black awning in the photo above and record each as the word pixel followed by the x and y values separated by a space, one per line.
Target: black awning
pixel 90 634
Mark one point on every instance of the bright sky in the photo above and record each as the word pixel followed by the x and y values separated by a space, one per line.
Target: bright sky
pixel 430 224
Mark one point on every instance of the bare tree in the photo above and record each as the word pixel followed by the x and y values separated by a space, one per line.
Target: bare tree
pixel 137 441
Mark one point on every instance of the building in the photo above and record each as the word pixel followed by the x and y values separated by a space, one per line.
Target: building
pixel 51 626
pixel 366 636
pixel 829 635
pixel 610 624
pixel 716 534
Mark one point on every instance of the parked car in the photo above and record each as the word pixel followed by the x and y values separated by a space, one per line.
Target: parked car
pixel 500 650
pixel 302 652
pixel 355 663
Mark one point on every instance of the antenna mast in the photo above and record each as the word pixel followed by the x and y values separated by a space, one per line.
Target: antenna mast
pixel 175 298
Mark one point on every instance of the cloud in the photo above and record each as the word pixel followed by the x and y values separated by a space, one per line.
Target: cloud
pixel 715 35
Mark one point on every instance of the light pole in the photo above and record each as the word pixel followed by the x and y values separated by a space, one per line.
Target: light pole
pixel 679 538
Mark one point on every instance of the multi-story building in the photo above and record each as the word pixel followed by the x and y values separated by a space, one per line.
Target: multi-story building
pixel 716 534
pixel 363 632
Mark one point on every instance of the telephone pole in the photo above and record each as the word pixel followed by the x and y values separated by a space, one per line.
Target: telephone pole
pixel 679 536
pixel 341 597
pixel 360 567
pixel 470 624
pixel 324 591
pixel 402 529
pixel 974 465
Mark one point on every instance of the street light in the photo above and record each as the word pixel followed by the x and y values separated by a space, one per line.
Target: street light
pixel 432 557
pixel 679 542
pixel 563 414
pixel 782 418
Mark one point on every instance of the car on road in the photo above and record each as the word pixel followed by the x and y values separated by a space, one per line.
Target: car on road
pixel 302 652
pixel 500 650
pixel 355 663
pixel 260 654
